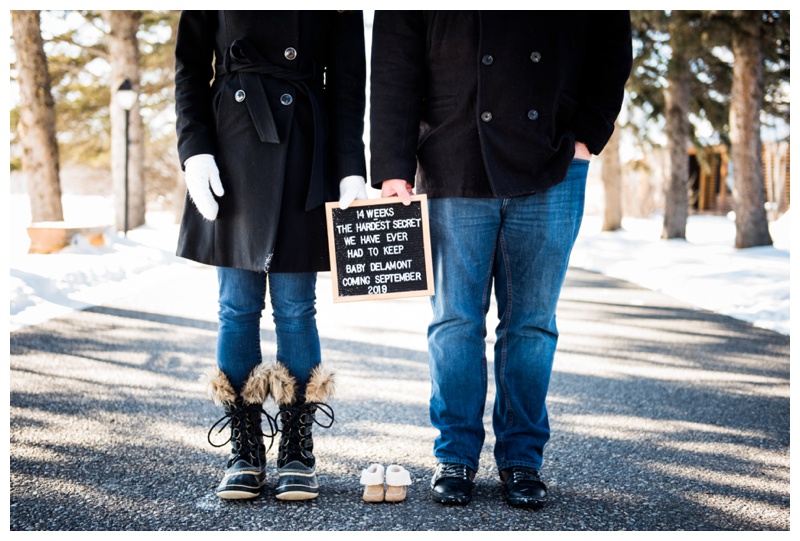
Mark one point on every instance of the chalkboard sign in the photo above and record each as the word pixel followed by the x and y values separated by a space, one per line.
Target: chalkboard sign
pixel 380 249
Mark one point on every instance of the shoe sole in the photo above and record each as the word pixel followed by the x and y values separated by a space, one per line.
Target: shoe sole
pixel 438 498
pixel 237 494
pixel 526 504
pixel 296 495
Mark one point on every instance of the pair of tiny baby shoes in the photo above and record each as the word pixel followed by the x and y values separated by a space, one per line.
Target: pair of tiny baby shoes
pixel 396 478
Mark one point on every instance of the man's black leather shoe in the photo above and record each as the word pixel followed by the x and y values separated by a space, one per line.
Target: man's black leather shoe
pixel 451 484
pixel 523 487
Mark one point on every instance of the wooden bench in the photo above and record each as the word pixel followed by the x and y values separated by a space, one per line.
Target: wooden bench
pixel 49 237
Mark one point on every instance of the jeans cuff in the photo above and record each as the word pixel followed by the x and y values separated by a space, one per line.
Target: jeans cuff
pixel 524 464
pixel 469 464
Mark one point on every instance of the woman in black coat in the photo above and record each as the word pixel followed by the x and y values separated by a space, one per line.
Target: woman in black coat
pixel 270 117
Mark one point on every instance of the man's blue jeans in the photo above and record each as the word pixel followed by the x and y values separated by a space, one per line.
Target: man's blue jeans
pixel 241 301
pixel 522 246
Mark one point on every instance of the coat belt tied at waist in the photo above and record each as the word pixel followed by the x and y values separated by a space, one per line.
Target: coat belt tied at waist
pixel 246 62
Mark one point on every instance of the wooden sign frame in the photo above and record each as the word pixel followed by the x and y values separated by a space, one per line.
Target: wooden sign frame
pixel 427 290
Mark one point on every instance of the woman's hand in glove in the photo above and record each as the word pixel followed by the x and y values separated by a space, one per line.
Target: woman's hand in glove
pixel 350 189
pixel 202 177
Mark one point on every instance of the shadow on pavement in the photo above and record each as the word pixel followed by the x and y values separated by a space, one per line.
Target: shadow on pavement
pixel 663 418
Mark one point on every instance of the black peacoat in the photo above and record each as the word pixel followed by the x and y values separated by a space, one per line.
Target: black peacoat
pixel 491 103
pixel 278 98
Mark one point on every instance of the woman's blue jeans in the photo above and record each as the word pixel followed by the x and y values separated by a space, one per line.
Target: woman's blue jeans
pixel 241 301
pixel 521 245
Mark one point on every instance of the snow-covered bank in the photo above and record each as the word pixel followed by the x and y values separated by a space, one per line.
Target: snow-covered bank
pixel 43 286
pixel 704 271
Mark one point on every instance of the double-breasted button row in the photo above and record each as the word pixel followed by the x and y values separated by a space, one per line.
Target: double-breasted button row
pixel 486 116
pixel 286 99
pixel 290 53
pixel 488 60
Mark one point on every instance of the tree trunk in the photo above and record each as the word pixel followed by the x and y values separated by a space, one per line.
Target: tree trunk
pixel 37 121
pixel 123 48
pixel 678 128
pixel 612 183
pixel 747 93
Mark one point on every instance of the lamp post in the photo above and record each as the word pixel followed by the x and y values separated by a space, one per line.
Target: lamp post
pixel 126 98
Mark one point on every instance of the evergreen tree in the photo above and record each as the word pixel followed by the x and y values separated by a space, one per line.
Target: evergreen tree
pixel 666 42
pixel 123 48
pixel 745 121
pixel 678 82
pixel 80 67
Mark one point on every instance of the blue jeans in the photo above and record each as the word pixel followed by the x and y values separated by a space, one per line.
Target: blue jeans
pixel 241 301
pixel 522 246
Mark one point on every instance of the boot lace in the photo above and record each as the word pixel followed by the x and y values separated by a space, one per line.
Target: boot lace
pixel 245 430
pixel 296 423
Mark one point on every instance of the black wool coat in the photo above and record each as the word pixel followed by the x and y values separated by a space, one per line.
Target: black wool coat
pixel 278 99
pixel 491 103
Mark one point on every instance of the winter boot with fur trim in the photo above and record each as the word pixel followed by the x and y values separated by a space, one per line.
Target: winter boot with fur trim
pixel 246 468
pixel 297 478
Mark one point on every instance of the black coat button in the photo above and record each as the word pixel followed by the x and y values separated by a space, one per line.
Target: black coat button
pixel 487 60
pixel 486 116
pixel 536 56
pixel 533 114
pixel 286 99
pixel 239 96
pixel 290 53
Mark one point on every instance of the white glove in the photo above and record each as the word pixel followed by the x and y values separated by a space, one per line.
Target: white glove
pixel 350 189
pixel 202 176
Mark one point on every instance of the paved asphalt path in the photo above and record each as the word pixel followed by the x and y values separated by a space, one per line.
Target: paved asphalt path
pixel 663 418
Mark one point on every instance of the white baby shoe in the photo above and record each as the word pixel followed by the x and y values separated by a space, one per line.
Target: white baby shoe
pixel 397 478
pixel 372 479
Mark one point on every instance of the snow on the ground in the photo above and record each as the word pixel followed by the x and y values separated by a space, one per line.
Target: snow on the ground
pixel 704 270
pixel 43 286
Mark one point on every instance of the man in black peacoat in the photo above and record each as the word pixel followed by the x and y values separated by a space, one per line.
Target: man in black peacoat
pixel 494 115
